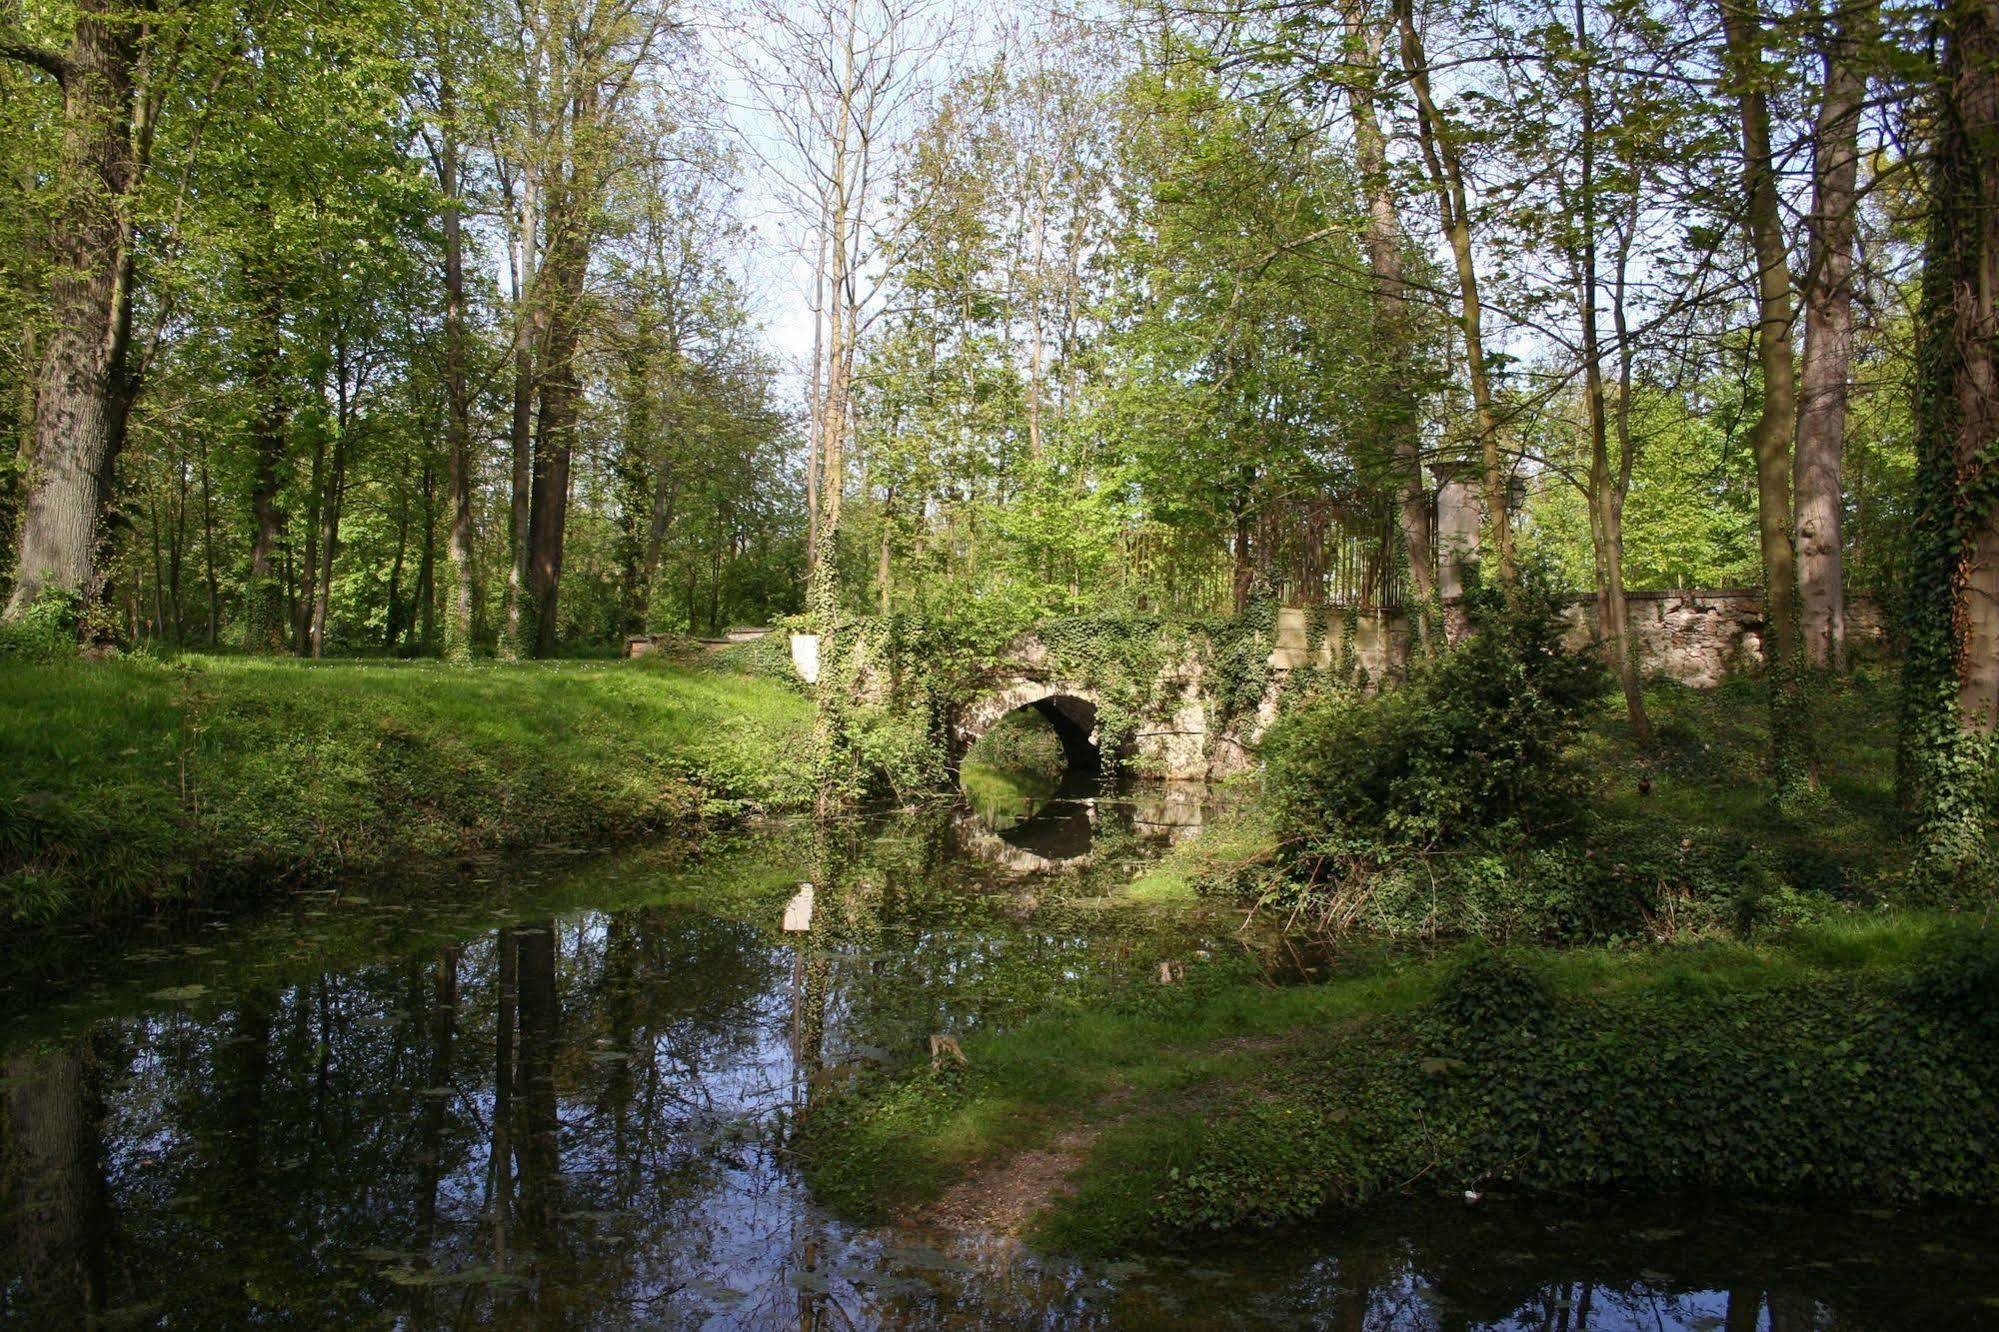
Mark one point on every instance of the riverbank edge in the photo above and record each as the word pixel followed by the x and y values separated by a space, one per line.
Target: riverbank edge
pixel 1852 1061
pixel 136 788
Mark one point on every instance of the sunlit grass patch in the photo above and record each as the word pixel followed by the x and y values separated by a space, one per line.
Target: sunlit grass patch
pixel 131 784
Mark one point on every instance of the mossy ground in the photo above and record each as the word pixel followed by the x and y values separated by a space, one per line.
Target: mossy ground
pixel 134 785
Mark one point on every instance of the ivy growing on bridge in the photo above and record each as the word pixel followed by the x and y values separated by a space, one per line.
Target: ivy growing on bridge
pixel 896 681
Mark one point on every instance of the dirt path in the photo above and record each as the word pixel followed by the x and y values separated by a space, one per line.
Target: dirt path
pixel 1002 1195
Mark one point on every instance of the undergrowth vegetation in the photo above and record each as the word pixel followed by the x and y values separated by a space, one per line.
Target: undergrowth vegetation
pixel 135 784
pixel 1836 1062
pixel 1500 794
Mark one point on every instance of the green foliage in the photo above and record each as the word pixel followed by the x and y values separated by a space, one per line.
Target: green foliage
pixel 1238 667
pixel 1825 1067
pixel 48 630
pixel 1954 977
pixel 1690 518
pixel 1473 743
pixel 1021 742
pixel 1487 990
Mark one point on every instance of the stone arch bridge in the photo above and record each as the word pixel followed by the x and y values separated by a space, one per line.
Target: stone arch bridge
pixel 1695 637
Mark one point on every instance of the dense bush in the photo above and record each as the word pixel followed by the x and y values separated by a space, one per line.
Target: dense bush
pixel 46 632
pixel 1021 742
pixel 1473 743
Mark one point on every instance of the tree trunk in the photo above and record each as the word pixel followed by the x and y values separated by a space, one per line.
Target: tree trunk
pixel 1828 351
pixel 308 577
pixel 1399 420
pixel 208 549
pixel 1446 171
pixel 665 494
pixel 394 617
pixel 636 477
pixel 264 611
pixel 461 613
pixel 426 569
pixel 1950 681
pixel 81 390
pixel 1741 24
pixel 1742 27
pixel 1607 487
pixel 520 432
pixel 564 268
pixel 555 431
pixel 329 528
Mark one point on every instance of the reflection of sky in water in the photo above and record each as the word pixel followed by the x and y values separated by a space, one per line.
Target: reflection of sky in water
pixel 321 1148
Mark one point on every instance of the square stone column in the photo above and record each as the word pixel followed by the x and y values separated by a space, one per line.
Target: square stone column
pixel 1460 521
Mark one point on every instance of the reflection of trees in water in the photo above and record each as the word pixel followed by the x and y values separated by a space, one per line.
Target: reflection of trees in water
pixel 442 1114
pixel 566 1123
pixel 52 1183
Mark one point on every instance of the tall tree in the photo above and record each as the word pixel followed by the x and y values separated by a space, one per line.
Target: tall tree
pixel 1950 681
pixel 443 63
pixel 593 53
pixel 110 102
pixel 1609 483
pixel 1443 160
pixel 1749 80
pixel 1826 366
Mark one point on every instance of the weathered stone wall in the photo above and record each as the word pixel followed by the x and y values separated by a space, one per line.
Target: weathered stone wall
pixel 1701 636
pixel 1697 637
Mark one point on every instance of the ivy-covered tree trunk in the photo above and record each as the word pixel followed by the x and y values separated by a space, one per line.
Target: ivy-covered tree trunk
pixel 1950 680
pixel 563 271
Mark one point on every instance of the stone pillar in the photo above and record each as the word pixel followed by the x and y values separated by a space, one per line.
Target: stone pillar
pixel 1460 519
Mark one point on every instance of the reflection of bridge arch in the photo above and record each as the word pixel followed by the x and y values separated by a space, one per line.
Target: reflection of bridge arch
pixel 1071 710
pixel 978 838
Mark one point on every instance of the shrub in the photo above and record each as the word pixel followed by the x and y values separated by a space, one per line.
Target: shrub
pixel 46 632
pixel 1473 743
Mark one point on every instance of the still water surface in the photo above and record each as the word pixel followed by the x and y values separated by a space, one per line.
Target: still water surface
pixel 556 1094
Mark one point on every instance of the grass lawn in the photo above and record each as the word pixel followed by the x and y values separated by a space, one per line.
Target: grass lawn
pixel 131 785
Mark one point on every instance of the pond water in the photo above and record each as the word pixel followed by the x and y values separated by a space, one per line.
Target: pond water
pixel 556 1093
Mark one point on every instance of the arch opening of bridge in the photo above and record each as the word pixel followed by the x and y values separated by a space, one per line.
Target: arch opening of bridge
pixel 1069 710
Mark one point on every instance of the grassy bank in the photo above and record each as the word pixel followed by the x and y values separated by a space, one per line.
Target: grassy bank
pixel 131 786
pixel 1704 991
pixel 1853 1061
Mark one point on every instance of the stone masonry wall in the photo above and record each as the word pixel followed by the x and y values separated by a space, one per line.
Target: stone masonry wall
pixel 1696 637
